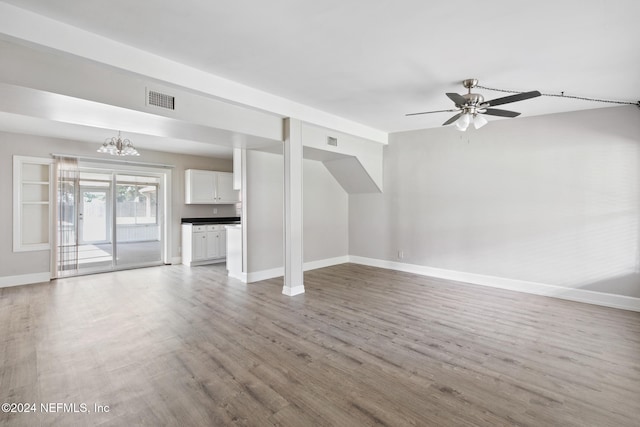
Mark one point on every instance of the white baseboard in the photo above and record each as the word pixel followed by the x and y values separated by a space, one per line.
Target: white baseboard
pixel 579 295
pixel 239 276
pixel 257 276
pixel 293 291
pixel 176 260
pixel 573 294
pixel 328 262
pixel 24 279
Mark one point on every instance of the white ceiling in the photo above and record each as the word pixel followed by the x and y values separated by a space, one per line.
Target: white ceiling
pixel 374 61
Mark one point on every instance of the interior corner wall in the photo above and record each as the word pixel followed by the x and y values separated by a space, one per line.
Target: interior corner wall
pixel 548 199
pixel 325 212
pixel 25 263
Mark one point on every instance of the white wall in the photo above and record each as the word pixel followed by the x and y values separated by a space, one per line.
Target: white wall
pixel 264 205
pixel 325 212
pixel 359 171
pixel 14 264
pixel 549 199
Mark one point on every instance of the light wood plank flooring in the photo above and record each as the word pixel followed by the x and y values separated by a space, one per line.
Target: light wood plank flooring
pixel 186 346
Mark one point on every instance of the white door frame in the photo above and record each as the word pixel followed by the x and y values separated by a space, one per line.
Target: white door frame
pixel 164 194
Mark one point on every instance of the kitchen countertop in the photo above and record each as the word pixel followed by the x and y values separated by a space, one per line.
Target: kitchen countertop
pixel 212 220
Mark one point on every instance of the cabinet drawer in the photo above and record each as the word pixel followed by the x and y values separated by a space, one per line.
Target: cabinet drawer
pixel 214 227
pixel 197 228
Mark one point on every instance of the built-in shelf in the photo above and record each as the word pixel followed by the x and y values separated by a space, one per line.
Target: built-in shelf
pixel 32 189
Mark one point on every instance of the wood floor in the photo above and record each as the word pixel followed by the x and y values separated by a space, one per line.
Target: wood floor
pixel 187 346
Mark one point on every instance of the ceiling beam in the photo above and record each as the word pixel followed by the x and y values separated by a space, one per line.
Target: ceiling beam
pixel 20 24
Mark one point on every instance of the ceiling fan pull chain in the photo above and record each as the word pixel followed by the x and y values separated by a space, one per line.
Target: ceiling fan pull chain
pixel 562 95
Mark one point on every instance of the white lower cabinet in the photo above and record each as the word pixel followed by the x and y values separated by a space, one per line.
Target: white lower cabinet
pixel 213 243
pixel 203 243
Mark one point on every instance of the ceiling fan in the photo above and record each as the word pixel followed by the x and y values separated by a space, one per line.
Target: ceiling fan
pixel 470 106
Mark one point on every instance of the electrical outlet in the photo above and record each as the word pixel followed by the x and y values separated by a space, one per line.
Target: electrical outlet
pixel 400 254
pixel 215 211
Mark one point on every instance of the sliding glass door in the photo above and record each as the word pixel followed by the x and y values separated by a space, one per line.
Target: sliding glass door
pixel 110 220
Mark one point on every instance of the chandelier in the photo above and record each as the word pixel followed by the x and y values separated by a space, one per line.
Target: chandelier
pixel 116 146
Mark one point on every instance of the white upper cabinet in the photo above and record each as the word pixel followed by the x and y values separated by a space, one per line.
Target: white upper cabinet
pixel 200 186
pixel 226 193
pixel 209 187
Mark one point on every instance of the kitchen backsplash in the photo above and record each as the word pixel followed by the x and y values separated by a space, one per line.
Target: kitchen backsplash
pixel 206 211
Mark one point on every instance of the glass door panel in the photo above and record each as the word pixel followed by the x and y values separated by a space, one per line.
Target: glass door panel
pixel 94 219
pixel 95 245
pixel 138 223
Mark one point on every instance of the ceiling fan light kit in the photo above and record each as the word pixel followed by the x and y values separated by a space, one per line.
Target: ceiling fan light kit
pixel 471 107
pixel 479 121
pixel 466 119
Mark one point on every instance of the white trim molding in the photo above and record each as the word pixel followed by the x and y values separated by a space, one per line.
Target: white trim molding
pixel 572 294
pixel 293 291
pixel 257 276
pixel 327 262
pixel 272 273
pixel 25 279
pixel 238 276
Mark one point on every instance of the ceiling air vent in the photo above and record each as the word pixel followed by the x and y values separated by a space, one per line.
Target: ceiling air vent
pixel 161 100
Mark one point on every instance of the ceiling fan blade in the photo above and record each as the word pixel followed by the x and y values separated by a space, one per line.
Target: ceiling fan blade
pixel 429 112
pixel 498 112
pixel 452 119
pixel 511 98
pixel 457 99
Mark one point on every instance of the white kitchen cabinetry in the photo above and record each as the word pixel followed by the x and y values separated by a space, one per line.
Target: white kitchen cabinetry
pixel 209 187
pixel 225 191
pixel 203 244
pixel 198 244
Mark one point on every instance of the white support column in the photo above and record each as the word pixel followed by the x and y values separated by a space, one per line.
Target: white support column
pixel 243 214
pixel 293 259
